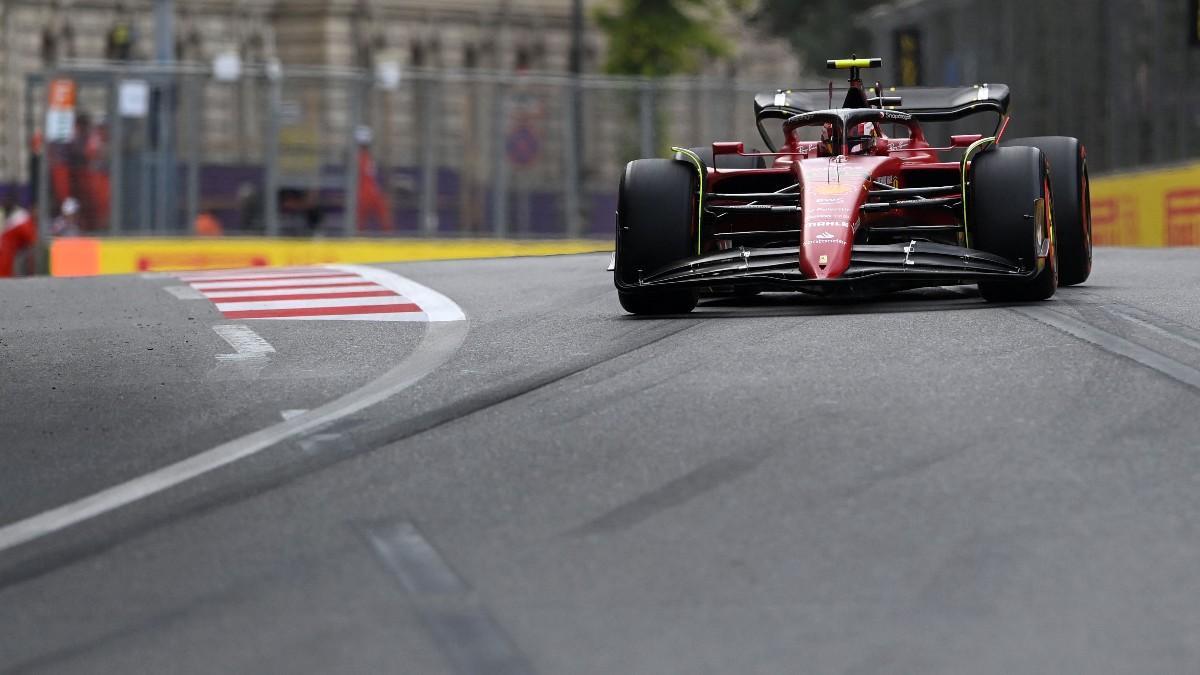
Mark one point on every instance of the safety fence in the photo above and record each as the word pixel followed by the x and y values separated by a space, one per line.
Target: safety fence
pixel 142 149
pixel 259 150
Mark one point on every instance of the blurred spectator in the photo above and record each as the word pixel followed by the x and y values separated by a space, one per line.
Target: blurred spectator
pixel 250 207
pixel 94 183
pixel 304 203
pixel 18 233
pixel 35 166
pixel 67 223
pixel 78 173
pixel 313 213
pixel 207 225
pixel 58 157
pixel 372 205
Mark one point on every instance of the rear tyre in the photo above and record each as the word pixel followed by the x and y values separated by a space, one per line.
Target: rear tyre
pixel 656 216
pixel 729 161
pixel 1072 204
pixel 1006 184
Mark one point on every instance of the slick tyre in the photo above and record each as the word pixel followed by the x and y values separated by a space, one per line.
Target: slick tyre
pixel 656 216
pixel 729 161
pixel 1072 204
pixel 1008 186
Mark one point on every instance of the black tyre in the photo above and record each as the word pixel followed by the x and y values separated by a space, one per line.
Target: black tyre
pixel 656 218
pixel 730 161
pixel 1072 204
pixel 1006 186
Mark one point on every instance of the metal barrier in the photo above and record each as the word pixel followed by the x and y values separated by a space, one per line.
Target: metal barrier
pixel 269 150
pixel 1121 75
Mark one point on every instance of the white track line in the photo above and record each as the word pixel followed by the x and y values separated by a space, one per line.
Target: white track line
pixel 440 342
pixel 184 292
pixel 244 341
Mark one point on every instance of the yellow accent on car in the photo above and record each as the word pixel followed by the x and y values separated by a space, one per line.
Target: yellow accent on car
pixel 699 164
pixel 971 149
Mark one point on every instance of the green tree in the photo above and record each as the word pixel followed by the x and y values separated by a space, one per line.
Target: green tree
pixel 663 37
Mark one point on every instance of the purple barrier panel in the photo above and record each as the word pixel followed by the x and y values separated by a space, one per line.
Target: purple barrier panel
pixel 601 216
pixel 546 218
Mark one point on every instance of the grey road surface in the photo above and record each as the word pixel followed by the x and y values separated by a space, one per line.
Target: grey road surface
pixel 919 484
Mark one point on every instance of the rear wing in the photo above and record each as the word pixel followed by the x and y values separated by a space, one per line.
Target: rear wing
pixel 923 103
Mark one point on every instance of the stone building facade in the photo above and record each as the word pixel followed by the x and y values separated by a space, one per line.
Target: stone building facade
pixel 520 35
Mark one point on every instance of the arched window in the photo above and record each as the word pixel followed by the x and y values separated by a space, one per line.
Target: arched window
pixel 119 43
pixel 524 59
pixel 58 39
pixel 189 44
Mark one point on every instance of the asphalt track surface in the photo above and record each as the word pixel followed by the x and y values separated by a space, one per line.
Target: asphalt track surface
pixel 919 484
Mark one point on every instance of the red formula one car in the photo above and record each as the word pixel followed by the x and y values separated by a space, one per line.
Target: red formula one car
pixel 857 200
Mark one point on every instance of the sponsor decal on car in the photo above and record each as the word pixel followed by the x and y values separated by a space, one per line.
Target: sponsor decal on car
pixel 832 189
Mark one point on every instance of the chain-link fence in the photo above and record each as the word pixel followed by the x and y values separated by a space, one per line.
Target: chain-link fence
pixel 295 151
pixel 1119 74
pixel 292 151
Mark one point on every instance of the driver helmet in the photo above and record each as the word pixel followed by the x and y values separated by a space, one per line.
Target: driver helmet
pixel 829 138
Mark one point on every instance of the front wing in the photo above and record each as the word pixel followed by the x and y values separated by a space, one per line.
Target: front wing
pixel 881 267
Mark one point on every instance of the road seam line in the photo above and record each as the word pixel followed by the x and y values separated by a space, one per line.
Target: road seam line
pixel 462 628
pixel 1114 344
pixel 1154 328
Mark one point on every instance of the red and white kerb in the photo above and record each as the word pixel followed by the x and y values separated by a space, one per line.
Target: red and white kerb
pixel 334 292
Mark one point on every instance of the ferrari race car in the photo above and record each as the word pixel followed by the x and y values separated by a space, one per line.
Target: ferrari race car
pixel 857 201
